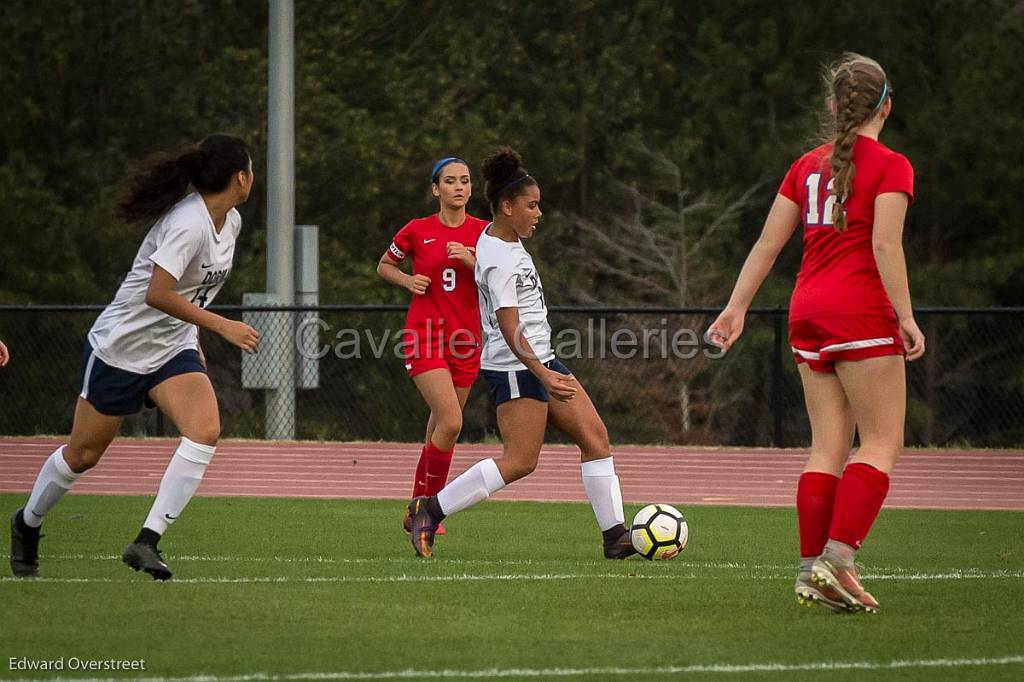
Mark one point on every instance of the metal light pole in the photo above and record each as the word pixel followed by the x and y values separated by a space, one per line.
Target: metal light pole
pixel 280 415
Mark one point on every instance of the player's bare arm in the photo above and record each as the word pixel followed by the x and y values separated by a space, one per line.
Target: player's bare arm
pixel 390 272
pixel 560 386
pixel 778 228
pixel 887 245
pixel 162 296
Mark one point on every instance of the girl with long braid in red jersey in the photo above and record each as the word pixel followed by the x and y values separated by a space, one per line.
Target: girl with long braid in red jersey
pixel 442 327
pixel 851 325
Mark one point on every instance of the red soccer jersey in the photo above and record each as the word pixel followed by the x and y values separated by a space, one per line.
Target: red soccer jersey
pixel 838 274
pixel 451 301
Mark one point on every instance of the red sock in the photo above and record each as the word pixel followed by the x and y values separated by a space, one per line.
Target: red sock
pixel 862 489
pixel 815 499
pixel 438 463
pixel 419 484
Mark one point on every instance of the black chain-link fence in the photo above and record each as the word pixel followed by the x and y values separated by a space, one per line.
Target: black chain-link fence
pixel 647 370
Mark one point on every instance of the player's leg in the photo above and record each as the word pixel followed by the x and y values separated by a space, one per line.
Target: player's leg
pixel 189 401
pixel 443 428
pixel 832 428
pixel 91 434
pixel 462 393
pixel 446 401
pixel 521 423
pixel 580 421
pixel 876 389
pixel 439 392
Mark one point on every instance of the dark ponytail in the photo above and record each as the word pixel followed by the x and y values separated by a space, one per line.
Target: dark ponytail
pixel 505 177
pixel 162 179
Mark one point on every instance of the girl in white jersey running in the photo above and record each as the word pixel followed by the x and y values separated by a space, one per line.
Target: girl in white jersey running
pixel 523 373
pixel 144 347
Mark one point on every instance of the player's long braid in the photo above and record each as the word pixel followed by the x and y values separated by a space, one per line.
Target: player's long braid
pixel 162 179
pixel 856 84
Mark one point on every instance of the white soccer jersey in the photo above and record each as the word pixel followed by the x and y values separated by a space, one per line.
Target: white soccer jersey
pixel 507 278
pixel 131 335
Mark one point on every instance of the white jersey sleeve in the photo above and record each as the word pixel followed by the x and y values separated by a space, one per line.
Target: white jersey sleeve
pixel 507 278
pixel 177 246
pixel 500 280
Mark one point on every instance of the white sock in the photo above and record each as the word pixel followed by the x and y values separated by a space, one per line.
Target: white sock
pixel 476 484
pixel 180 481
pixel 603 490
pixel 55 479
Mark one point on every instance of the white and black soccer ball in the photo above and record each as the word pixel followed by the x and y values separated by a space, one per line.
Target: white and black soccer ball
pixel 659 531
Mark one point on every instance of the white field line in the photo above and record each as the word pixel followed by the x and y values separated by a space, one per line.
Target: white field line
pixel 403 578
pixel 714 668
pixel 501 577
pixel 873 572
pixel 290 560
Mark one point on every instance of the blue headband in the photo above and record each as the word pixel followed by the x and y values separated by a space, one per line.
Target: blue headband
pixel 885 91
pixel 442 163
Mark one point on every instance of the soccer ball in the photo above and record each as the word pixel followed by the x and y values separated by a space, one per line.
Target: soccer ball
pixel 659 531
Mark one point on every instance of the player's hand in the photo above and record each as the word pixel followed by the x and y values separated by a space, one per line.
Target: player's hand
pixel 418 284
pixel 559 386
pixel 241 335
pixel 726 329
pixel 5 354
pixel 461 252
pixel 202 357
pixel 913 338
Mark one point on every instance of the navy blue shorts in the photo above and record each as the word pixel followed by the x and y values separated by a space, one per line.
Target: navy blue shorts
pixel 507 386
pixel 118 393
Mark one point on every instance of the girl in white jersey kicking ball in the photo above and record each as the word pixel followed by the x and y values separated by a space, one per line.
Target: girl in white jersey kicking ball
pixel 144 347
pixel 529 384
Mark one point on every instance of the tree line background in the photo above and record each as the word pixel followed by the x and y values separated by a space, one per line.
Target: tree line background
pixel 658 132
pixel 689 101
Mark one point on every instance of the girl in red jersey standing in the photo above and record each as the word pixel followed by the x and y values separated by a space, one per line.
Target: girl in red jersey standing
pixel 442 327
pixel 851 324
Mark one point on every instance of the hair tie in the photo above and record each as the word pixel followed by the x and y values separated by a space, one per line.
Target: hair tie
pixel 885 91
pixel 515 182
pixel 442 163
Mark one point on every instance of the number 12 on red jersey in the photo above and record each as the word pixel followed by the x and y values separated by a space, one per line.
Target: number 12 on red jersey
pixel 814 218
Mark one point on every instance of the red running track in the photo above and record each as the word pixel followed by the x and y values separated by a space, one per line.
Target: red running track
pixel 926 479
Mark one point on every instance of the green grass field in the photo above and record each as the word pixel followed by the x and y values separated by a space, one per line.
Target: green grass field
pixel 297 587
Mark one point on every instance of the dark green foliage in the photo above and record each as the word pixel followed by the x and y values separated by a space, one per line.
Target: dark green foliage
pixel 726 92
pixel 625 112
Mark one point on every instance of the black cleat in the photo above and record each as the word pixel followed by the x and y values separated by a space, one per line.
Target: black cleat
pixel 617 543
pixel 143 557
pixel 423 527
pixel 24 548
pixel 407 525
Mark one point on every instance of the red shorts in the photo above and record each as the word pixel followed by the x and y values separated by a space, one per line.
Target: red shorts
pixel 822 341
pixel 462 360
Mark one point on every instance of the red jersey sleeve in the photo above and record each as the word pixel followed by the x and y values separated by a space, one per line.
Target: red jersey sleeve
pixel 790 184
pixel 401 245
pixel 898 177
